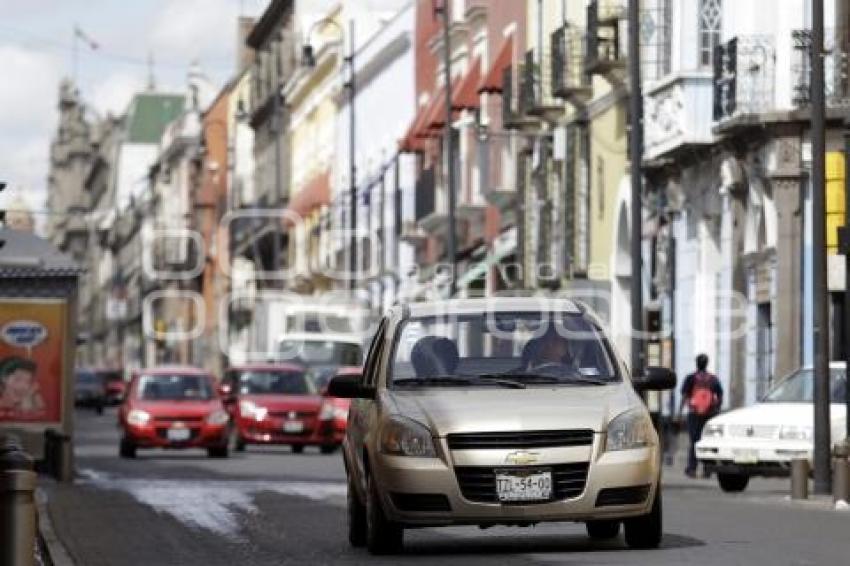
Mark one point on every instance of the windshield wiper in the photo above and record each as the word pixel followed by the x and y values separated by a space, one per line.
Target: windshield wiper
pixel 543 378
pixel 459 380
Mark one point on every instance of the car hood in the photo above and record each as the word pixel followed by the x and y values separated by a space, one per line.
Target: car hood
pixel 798 414
pixel 285 402
pixel 178 409
pixel 455 410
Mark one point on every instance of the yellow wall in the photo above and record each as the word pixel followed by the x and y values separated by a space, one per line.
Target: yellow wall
pixel 835 175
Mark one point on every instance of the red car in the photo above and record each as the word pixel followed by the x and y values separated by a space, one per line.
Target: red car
pixel 278 404
pixel 340 406
pixel 173 407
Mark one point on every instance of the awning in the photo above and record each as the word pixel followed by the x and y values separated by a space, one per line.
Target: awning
pixel 493 80
pixel 465 96
pixel 314 194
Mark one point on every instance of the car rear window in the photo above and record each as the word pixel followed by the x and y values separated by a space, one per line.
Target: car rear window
pixel 271 382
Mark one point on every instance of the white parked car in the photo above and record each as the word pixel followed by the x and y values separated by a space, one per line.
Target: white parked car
pixel 761 440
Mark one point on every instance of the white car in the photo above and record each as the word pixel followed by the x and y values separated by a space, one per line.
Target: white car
pixel 761 440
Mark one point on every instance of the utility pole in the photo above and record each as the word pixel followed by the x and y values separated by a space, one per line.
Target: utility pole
pixel 822 463
pixel 277 130
pixel 447 143
pixel 352 159
pixel 635 159
pixel 844 248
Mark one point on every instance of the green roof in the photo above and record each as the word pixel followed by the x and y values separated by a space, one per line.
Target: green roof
pixel 150 113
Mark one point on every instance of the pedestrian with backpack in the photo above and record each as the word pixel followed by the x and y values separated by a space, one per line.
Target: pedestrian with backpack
pixel 703 394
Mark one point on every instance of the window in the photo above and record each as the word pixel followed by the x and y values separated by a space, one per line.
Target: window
pixel 710 20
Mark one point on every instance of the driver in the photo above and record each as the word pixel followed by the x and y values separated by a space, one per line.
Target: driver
pixel 549 349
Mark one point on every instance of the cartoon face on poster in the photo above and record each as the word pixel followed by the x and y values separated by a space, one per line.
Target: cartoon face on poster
pixel 31 361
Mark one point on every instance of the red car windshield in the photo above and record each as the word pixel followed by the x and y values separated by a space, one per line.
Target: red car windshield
pixel 174 388
pixel 264 382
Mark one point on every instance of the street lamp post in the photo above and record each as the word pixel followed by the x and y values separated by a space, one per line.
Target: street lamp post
pixel 447 143
pixel 635 157
pixel 309 60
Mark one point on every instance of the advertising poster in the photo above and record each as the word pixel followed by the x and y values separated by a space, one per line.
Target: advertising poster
pixel 32 343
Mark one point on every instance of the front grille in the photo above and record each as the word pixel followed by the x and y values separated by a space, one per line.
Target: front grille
pixel 524 439
pixel 293 414
pixel 195 419
pixel 478 483
pixel 753 431
pixel 622 495
pixel 421 502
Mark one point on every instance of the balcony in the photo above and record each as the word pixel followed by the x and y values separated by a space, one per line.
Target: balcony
pixel 744 78
pixel 606 38
pixel 513 105
pixel 535 91
pixel 569 81
pixel 677 114
pixel 835 63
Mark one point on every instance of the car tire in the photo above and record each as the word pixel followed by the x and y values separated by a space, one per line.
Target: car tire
pixel 328 448
pixel 127 449
pixel 733 483
pixel 382 535
pixel 602 530
pixel 218 452
pixel 646 531
pixel 356 517
pixel 297 448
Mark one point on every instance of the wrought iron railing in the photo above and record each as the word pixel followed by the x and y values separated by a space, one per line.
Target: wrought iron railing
pixel 744 76
pixel 605 38
pixel 567 62
pixel 836 82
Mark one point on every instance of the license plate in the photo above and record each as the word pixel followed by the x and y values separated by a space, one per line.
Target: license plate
pixel 534 485
pixel 293 427
pixel 745 456
pixel 178 434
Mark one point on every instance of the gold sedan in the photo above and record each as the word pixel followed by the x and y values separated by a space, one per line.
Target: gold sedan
pixel 499 411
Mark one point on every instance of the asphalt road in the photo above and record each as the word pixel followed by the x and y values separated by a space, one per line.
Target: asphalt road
pixel 269 506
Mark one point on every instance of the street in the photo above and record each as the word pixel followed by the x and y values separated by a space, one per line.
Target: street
pixel 269 506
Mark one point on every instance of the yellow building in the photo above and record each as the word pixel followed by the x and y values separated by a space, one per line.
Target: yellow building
pixel 311 97
pixel 571 106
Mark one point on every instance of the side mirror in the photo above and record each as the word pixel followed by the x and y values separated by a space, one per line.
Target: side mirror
pixel 349 386
pixel 655 379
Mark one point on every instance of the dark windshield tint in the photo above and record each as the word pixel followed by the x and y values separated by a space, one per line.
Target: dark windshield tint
pixel 799 387
pixel 275 383
pixel 175 388
pixel 523 346
pixel 87 378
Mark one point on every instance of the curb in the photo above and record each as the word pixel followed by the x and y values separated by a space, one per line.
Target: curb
pixel 57 554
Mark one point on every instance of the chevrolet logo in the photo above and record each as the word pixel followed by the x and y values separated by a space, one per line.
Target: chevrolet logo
pixel 522 458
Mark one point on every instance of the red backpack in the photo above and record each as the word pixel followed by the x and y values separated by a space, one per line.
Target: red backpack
pixel 703 400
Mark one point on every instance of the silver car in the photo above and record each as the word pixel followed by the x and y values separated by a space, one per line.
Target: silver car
pixel 507 411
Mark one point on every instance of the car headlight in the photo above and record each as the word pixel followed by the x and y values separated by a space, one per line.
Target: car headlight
pixel 138 417
pixel 713 430
pixel 327 412
pixel 405 437
pixel 251 410
pixel 218 417
pixel 794 432
pixel 632 429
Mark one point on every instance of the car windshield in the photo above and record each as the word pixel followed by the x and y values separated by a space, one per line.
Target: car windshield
pixel 799 387
pixel 175 387
pixel 88 378
pixel 274 382
pixel 111 376
pixel 320 352
pixel 513 349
